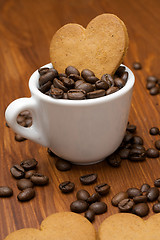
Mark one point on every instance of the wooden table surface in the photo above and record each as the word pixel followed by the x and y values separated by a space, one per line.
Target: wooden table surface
pixel 26 29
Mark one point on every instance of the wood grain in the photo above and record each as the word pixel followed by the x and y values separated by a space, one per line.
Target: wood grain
pixel 26 29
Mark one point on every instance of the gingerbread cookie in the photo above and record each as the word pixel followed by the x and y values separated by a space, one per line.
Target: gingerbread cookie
pixel 58 226
pixel 126 226
pixel 100 47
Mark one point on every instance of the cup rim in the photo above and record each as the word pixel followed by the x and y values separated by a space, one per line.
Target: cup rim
pixel 33 86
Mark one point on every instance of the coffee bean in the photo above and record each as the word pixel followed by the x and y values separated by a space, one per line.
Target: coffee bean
pixel 82 195
pixel 102 85
pixel 137 140
pixel 76 94
pixel 59 84
pixel 67 186
pixel 56 93
pixel 98 207
pixel 61 75
pixel 140 199
pixel 87 87
pixel 136 154
pixel 29 164
pixel 124 153
pixel 112 90
pixel 45 87
pixel 68 82
pixel 49 76
pixel 144 187
pixel 95 197
pixel 120 83
pixel 96 94
pixel 88 178
pixel 137 66
pixel 90 215
pixel 17 171
pixel 19 138
pixel 158 199
pixel 118 198
pixel 75 77
pixel 156 207
pixel 137 146
pixel 65 96
pixel 5 191
pixel 154 131
pixel 71 70
pixel 26 195
pixel 152 79
pixel 131 128
pixel 79 82
pixel 87 73
pixel 114 160
pixel 124 76
pixel 39 179
pixel 108 79
pixel 152 194
pixel 152 153
pixel 24 183
pixel 63 165
pixel 50 152
pixel 133 192
pixel 102 189
pixel 154 90
pixel 29 174
pixel 120 70
pixel 91 79
pixel 157 182
pixel 140 209
pixel 150 85
pixel 125 205
pixel 43 70
pixel 127 137
pixel 157 144
pixel 79 206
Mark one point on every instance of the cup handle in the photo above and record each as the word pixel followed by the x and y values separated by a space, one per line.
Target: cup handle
pixel 33 132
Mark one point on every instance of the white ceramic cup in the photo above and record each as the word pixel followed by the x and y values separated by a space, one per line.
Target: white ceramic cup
pixel 81 131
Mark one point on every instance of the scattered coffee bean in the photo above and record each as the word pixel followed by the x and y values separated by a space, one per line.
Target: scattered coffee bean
pixel 90 215
pixel 152 153
pixel 137 66
pixel 67 186
pixel 154 90
pixel 137 140
pixel 95 197
pixel 157 182
pixel 150 85
pixel 137 154
pixel 125 205
pixel 82 195
pixel 17 171
pixel 98 207
pixel 152 79
pixel 63 165
pixel 124 153
pixel 140 209
pixel 5 191
pixel 144 187
pixel 29 173
pixel 137 146
pixel 29 164
pixel 152 194
pixel 114 160
pixel 118 198
pixel 19 138
pixel 140 199
pixel 102 189
pixel 39 179
pixel 88 178
pixel 133 192
pixel 127 137
pixel 131 128
pixel 157 144
pixel 79 206
pixel 50 152
pixel 26 195
pixel 156 207
pixel 71 70
pixel 24 183
pixel 154 131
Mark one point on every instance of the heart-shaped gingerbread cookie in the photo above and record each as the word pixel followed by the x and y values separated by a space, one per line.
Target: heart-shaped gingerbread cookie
pixel 100 47
pixel 126 226
pixel 58 226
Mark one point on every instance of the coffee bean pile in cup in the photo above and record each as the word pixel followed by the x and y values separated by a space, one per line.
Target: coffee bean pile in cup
pixel 27 177
pixel 135 200
pixel 75 86
pixel 90 204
